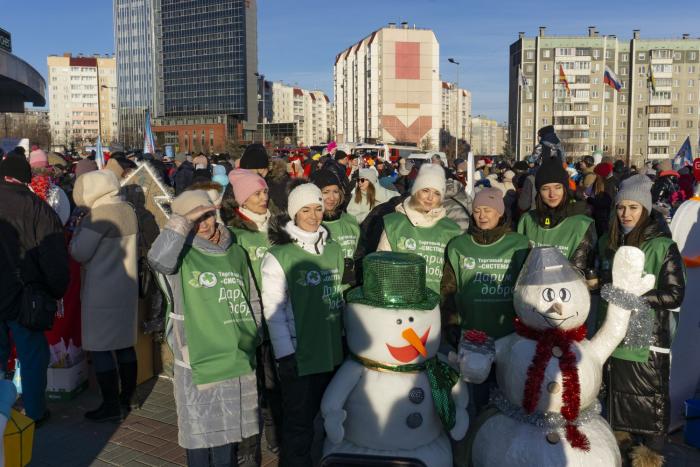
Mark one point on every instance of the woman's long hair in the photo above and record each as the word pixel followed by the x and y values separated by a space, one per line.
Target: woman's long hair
pixel 371 197
pixel 634 238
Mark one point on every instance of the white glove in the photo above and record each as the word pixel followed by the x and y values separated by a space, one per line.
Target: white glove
pixel 628 271
pixel 473 366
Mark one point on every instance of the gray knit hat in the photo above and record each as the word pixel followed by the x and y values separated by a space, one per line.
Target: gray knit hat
pixel 636 188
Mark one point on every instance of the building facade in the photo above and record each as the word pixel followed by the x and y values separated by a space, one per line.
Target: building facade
pixel 638 123
pixel 456 114
pixel 82 92
pixel 30 124
pixel 19 82
pixel 488 137
pixel 387 88
pixel 309 110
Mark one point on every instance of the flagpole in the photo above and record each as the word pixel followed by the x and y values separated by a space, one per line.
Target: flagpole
pixel 517 118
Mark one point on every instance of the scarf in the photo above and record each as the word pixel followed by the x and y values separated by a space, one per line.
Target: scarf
pixel 441 376
pixel 571 398
pixel 418 218
pixel 261 221
pixel 487 237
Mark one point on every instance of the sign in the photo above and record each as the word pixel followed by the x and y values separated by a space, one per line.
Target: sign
pixel 696 169
pixel 5 40
pixel 150 197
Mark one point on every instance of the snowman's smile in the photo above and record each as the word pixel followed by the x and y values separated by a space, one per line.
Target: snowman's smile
pixel 409 353
pixel 551 321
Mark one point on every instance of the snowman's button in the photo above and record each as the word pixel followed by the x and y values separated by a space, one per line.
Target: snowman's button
pixel 414 420
pixel 557 352
pixel 416 395
pixel 553 387
pixel 553 438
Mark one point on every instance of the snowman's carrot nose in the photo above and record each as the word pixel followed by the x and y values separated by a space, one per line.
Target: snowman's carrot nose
pixel 410 335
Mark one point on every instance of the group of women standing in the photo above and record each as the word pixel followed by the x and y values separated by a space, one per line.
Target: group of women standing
pixel 266 293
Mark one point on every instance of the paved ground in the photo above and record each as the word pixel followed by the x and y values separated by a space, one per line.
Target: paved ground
pixel 148 437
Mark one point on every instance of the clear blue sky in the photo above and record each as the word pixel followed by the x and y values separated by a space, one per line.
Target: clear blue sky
pixel 298 39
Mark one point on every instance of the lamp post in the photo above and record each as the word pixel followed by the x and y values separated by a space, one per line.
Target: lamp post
pixel 262 78
pixel 455 62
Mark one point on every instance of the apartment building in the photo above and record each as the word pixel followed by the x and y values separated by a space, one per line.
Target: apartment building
pixel 456 113
pixel 310 110
pixel 642 121
pixel 488 137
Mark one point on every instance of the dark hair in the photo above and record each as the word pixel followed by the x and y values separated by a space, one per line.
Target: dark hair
pixel 617 236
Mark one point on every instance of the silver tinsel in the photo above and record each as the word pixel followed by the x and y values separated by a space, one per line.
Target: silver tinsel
pixel 641 325
pixel 547 421
pixel 487 348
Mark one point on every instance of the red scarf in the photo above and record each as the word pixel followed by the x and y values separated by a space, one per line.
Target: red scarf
pixel 546 341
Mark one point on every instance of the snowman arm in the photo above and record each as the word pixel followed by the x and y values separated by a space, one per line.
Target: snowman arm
pixel 340 387
pixel 611 332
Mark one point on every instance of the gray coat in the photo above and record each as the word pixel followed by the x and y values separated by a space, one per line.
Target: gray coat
pixel 220 413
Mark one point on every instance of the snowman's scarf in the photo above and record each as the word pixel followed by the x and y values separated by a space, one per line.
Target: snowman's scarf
pixel 441 376
pixel 571 398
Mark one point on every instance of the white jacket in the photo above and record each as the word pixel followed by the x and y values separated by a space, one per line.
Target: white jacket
pixel 277 305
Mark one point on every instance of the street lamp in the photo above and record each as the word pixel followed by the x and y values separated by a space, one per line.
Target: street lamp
pixel 262 78
pixel 455 62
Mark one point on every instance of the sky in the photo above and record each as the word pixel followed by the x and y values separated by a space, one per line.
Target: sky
pixel 299 39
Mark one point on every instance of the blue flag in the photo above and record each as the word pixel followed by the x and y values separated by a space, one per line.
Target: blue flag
pixel 99 154
pixel 684 156
pixel 149 144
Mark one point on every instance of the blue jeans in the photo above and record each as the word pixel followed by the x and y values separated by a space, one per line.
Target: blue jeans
pixel 104 360
pixel 33 356
pixel 219 456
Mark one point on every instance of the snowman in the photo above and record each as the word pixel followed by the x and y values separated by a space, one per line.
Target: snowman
pixel 392 397
pixel 548 373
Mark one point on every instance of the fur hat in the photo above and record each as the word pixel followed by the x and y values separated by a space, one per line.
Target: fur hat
pixel 255 157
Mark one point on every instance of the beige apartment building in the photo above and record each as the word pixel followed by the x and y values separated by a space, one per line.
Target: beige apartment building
pixel 637 123
pixel 488 137
pixel 310 110
pixel 456 113
pixel 387 88
pixel 82 99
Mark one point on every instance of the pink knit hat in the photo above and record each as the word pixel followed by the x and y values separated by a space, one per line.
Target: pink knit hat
pixel 38 158
pixel 490 197
pixel 244 184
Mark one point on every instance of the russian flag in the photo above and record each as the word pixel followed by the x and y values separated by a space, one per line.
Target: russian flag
pixel 611 79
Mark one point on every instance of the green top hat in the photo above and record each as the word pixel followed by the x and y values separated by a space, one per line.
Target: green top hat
pixel 394 280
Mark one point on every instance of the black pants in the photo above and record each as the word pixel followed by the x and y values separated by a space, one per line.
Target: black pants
pixel 301 399
pixel 219 456
pixel 269 387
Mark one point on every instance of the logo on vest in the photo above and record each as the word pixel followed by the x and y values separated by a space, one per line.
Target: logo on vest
pixel 260 252
pixel 408 243
pixel 468 262
pixel 203 279
pixel 309 278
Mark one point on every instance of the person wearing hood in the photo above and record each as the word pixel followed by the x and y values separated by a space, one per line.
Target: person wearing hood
pixel 666 193
pixel 303 303
pixel 182 178
pixel 105 243
pixel 45 187
pixel 420 224
pixel 367 194
pixel 213 330
pixel 637 376
pixel 558 220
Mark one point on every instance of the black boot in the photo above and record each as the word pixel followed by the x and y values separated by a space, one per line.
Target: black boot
pixel 128 398
pixel 109 409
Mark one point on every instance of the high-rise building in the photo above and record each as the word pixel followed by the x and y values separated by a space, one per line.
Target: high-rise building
pixel 638 123
pixel 488 137
pixel 387 88
pixel 82 93
pixel 19 82
pixel 196 63
pixel 310 110
pixel 456 113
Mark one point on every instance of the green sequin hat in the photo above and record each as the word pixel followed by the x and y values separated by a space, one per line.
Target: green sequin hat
pixel 394 280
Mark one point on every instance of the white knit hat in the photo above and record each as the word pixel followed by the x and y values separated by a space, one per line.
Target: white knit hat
pixel 188 200
pixel 301 196
pixel 430 176
pixel 370 174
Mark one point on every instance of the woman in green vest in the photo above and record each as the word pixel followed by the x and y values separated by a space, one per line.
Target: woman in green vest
pixel 213 326
pixel 249 220
pixel 303 302
pixel 420 224
pixel 558 220
pixel 637 377
pixel 341 226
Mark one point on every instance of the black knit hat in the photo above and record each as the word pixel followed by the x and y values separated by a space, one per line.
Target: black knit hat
pixel 255 157
pixel 16 167
pixel 551 171
pixel 323 178
pixel 340 155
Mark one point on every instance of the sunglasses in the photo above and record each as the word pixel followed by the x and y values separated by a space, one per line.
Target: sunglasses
pixel 363 180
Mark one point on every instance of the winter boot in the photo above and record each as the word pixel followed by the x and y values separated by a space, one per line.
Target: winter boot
pixel 128 398
pixel 642 456
pixel 109 409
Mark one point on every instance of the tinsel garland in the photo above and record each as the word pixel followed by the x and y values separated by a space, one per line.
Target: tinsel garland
pixel 40 185
pixel 640 331
pixel 546 340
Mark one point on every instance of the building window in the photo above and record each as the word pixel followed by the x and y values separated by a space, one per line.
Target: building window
pixel 641 56
pixel 545 67
pixel 624 57
pixel 596 54
pixel 545 108
pixel 544 121
pixel 546 53
pixel 691 110
pixel 623 98
pixel 692 55
pixel 691 83
pixel 608 54
pixel 689 124
pixel 545 94
pixel 530 54
pixel 623 71
pixel 676 55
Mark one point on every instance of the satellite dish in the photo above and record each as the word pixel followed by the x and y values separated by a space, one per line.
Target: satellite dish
pixel 287 140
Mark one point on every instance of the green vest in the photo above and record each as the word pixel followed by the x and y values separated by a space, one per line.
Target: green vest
pixel 428 242
pixel 314 287
pixel 255 244
pixel 219 324
pixel 486 275
pixel 566 236
pixel 346 232
pixel 655 251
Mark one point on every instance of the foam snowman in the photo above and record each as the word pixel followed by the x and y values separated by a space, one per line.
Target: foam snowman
pixel 381 400
pixel 548 373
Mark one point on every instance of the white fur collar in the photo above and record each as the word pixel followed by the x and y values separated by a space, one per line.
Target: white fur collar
pixel 421 219
pixel 313 242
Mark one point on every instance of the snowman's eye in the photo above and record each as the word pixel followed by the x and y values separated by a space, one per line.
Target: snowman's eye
pixel 565 295
pixel 410 319
pixel 399 321
pixel 548 294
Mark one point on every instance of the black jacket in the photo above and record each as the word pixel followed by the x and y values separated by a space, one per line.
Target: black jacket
pixel 638 393
pixel 34 242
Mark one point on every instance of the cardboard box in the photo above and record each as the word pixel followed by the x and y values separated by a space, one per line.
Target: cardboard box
pixel 63 384
pixel 18 440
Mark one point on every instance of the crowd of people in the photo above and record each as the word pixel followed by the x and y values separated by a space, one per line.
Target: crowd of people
pixel 258 253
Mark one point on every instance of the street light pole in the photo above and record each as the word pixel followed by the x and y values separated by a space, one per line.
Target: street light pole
pixel 262 78
pixel 455 62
